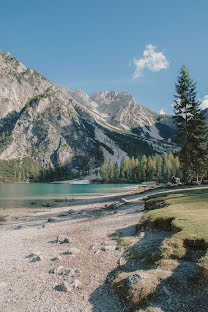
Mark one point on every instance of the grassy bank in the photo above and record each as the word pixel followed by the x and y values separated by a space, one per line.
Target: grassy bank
pixel 169 250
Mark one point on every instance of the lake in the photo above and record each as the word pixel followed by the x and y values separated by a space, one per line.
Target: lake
pixel 36 195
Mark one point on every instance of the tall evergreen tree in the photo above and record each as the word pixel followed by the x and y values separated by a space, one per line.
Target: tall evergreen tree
pixel 191 134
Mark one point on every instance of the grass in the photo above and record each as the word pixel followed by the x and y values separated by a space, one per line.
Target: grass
pixel 186 215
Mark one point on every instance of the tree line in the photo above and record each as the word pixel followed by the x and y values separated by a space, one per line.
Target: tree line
pixel 142 168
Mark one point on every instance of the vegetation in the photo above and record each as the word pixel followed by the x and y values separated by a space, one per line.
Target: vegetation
pixel 27 170
pixel 4 141
pixel 152 168
pixel 34 99
pixel 175 250
pixel 187 220
pixel 192 130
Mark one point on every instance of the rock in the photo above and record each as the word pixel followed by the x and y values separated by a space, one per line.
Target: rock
pixel 46 204
pixel 61 239
pixel 56 258
pixel 37 258
pixel 121 261
pixel 52 220
pixel 31 255
pixel 65 286
pixel 57 270
pixel 108 247
pixel 104 243
pixel 81 211
pixel 113 206
pixel 141 235
pixel 97 252
pixel 92 247
pixel 70 211
pixel 69 272
pixel 64 214
pixel 19 227
pixel 133 279
pixel 71 251
pixel 76 283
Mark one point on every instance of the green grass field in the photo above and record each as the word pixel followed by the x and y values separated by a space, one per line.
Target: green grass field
pixel 186 215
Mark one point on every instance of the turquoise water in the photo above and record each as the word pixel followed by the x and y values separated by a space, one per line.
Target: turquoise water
pixel 54 191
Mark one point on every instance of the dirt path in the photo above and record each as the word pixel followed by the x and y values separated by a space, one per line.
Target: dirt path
pixel 30 285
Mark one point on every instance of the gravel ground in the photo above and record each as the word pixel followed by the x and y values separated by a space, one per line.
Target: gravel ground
pixel 27 285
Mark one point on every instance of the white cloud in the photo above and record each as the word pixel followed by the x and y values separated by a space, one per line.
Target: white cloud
pixel 152 60
pixel 162 112
pixel 204 103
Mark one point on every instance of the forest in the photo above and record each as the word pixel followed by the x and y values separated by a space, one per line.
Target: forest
pixel 142 168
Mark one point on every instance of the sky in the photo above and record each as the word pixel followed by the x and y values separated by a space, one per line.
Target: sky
pixel 135 46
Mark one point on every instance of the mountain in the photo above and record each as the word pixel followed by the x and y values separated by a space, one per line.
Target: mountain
pixel 56 126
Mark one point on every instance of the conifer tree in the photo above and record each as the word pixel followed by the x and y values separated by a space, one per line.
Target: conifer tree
pixel 191 134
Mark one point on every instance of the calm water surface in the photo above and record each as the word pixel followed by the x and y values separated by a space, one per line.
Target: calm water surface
pixel 53 191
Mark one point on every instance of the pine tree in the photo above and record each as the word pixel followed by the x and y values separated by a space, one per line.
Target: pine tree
pixel 191 134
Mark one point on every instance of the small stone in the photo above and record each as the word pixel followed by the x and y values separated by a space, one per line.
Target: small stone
pixel 76 283
pixel 46 204
pixel 56 258
pixel 64 287
pixel 108 247
pixel 31 255
pixel 43 225
pixel 69 272
pixel 81 211
pixel 56 270
pixel 61 239
pixel 104 243
pixel 121 261
pixel 19 227
pixel 37 258
pixel 92 247
pixel 64 214
pixel 141 235
pixel 71 251
pixel 70 211
pixel 50 220
pixel 133 279
pixel 97 252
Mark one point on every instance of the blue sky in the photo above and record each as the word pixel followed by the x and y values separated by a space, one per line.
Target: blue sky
pixel 96 45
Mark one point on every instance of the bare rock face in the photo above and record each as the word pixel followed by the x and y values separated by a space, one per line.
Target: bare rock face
pixel 122 110
pixel 18 84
